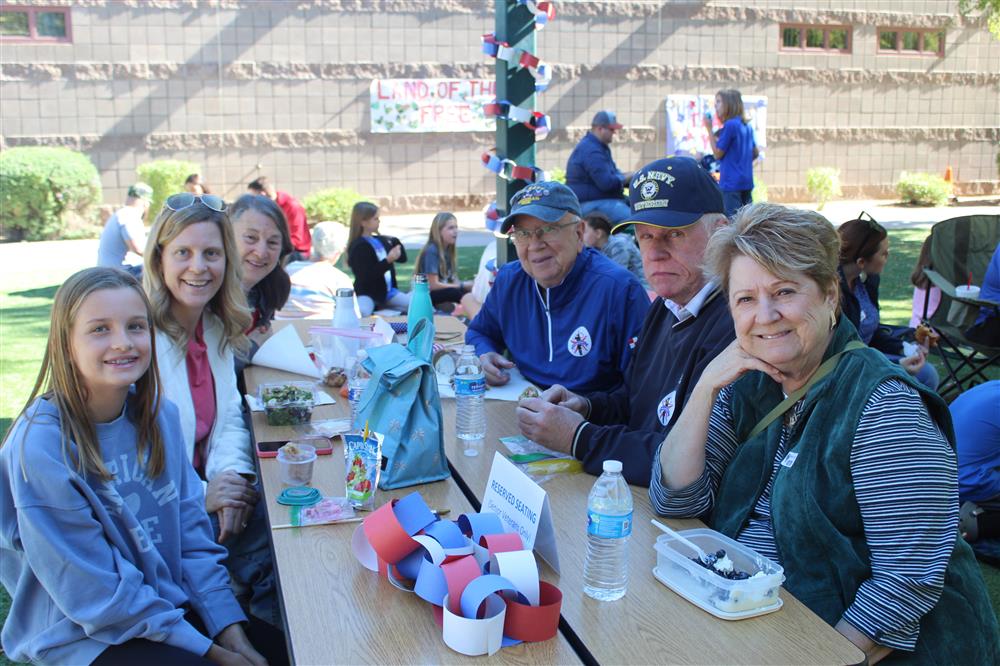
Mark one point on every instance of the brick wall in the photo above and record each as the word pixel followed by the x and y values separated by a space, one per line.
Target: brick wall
pixel 233 84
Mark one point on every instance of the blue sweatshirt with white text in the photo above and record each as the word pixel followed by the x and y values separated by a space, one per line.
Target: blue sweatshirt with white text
pixel 91 563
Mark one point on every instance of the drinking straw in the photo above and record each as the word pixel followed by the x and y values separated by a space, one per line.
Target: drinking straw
pixel 969 284
pixel 364 435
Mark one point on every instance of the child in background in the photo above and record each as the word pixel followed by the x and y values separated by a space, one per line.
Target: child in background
pixel 438 260
pixel 619 248
pixel 922 287
pixel 108 554
pixel 735 149
pixel 372 257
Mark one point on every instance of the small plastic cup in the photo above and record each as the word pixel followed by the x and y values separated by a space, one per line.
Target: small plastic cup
pixel 297 470
pixel 961 314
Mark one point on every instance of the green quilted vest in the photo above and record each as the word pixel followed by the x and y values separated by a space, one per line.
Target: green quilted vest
pixel 815 514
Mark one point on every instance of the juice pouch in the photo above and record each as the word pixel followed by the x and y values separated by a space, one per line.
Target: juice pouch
pixel 363 462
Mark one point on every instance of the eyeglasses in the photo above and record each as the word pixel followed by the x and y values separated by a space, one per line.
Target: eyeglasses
pixel 183 200
pixel 544 233
pixel 872 224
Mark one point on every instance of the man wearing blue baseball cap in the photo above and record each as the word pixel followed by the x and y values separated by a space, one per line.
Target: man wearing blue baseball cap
pixel 675 207
pixel 564 313
pixel 592 174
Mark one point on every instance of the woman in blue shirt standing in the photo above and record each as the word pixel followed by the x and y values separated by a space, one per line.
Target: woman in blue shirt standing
pixel 734 148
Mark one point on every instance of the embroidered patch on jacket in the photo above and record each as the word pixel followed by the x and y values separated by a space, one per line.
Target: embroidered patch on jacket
pixel 579 343
pixel 665 410
pixel 633 341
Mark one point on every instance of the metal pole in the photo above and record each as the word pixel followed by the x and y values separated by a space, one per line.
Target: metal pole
pixel 516 26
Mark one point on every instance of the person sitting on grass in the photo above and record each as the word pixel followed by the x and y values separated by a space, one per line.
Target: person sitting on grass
pixel 108 555
pixel 373 257
pixel 315 283
pixel 438 260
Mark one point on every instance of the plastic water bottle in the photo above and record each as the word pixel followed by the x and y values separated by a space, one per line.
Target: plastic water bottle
pixel 609 525
pixel 470 413
pixel 357 382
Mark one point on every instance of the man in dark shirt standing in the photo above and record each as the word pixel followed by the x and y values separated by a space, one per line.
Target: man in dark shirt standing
pixel 295 214
pixel 675 207
pixel 592 174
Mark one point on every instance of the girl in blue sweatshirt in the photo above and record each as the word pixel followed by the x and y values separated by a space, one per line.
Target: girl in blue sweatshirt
pixel 107 552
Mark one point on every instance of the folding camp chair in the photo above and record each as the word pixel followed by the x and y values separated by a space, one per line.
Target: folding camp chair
pixel 959 247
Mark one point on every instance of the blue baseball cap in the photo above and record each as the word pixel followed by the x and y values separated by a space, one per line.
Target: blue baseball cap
pixel 672 192
pixel 606 119
pixel 547 200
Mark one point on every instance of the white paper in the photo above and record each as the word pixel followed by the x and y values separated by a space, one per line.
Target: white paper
pixel 322 398
pixel 475 637
pixel 383 328
pixel 523 508
pixel 511 391
pixel 520 568
pixel 285 351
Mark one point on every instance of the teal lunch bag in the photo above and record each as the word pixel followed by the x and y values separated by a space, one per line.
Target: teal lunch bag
pixel 401 402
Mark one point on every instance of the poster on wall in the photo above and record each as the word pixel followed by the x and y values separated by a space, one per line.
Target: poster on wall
pixel 686 134
pixel 431 105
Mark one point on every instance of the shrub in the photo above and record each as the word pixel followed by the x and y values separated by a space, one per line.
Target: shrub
pixel 333 204
pixel 759 192
pixel 823 184
pixel 923 189
pixel 166 177
pixel 42 189
pixel 557 174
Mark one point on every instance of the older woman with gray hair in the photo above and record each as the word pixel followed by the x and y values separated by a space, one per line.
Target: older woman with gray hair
pixel 315 284
pixel 817 452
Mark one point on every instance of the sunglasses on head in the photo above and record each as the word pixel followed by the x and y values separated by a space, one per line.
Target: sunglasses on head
pixel 870 221
pixel 183 200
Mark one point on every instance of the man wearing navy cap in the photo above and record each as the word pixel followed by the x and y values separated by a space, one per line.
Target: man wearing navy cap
pixel 564 313
pixel 675 207
pixel 592 174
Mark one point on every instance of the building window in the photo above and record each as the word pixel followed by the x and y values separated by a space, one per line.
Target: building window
pixel 35 24
pixel 815 38
pixel 911 41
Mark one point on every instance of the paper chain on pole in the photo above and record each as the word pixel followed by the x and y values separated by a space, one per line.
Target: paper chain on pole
pixel 536 120
pixel 543 11
pixel 482 583
pixel 503 51
pixel 509 170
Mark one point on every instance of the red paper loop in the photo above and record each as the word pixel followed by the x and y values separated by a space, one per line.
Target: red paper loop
pixel 522 173
pixel 528 60
pixel 386 536
pixel 534 623
pixel 458 575
pixel 501 543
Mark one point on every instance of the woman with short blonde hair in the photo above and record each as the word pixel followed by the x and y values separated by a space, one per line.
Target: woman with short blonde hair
pixel 804 444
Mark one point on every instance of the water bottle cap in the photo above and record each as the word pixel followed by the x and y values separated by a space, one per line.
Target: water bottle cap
pixel 468 349
pixel 345 292
pixel 613 466
pixel 420 278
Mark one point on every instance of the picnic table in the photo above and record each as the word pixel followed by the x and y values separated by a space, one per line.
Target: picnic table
pixel 338 612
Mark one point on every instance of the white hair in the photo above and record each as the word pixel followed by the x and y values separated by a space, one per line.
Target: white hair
pixel 328 239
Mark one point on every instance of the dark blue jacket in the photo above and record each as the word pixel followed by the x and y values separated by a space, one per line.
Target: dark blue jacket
pixel 577 334
pixel 591 173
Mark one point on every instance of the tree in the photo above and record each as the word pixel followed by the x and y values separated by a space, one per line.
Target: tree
pixel 988 10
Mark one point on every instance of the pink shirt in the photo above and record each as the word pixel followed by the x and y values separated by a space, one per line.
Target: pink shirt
pixel 202 386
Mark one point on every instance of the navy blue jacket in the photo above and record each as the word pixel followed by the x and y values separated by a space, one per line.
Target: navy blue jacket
pixel 629 424
pixel 591 173
pixel 577 334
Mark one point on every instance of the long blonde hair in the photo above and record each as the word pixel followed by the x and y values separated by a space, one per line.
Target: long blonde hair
pixel 59 381
pixel 443 253
pixel 229 303
pixel 732 105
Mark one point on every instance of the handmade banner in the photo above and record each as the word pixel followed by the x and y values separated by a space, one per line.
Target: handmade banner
pixel 431 105
pixel 686 134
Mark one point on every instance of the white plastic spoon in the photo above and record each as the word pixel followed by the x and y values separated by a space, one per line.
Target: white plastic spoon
pixel 702 555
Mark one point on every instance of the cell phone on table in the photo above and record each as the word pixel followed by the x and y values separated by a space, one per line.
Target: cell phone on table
pixel 270 449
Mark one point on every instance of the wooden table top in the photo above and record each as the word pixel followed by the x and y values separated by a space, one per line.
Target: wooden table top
pixel 651 624
pixel 338 612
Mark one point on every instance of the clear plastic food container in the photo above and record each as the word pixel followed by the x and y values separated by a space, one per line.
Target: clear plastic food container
pixel 287 403
pixel 721 596
pixel 297 467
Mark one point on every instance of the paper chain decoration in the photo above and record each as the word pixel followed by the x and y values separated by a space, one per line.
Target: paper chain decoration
pixel 482 583
pixel 536 120
pixel 543 11
pixel 509 170
pixel 503 51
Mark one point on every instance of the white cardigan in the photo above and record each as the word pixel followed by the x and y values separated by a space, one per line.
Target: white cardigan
pixel 229 442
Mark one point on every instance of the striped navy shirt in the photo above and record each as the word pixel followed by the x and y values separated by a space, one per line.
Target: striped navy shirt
pixel 905 481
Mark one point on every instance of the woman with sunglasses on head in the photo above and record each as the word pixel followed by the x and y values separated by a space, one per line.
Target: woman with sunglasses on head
pixel 201 315
pixel 372 258
pixel 864 252
pixel 263 243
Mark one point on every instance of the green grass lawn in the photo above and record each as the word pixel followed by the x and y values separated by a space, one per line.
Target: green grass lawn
pixel 25 301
